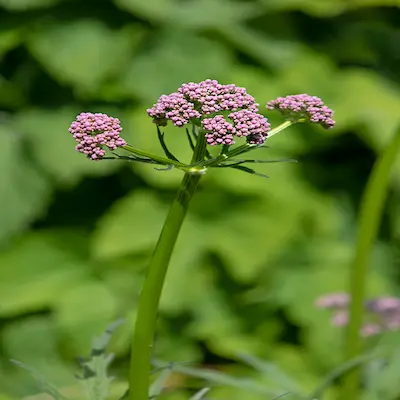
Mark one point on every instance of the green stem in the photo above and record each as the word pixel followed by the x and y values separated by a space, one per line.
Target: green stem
pixel 279 128
pixel 143 336
pixel 369 219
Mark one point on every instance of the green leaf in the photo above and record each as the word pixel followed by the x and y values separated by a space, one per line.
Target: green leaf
pixel 187 265
pixel 35 273
pixel 323 8
pixel 33 342
pixel 275 209
pixel 267 50
pixel 54 147
pixel 23 5
pixel 200 394
pixel 158 385
pixel 11 94
pixel 220 378
pixel 326 8
pixel 131 225
pixel 100 343
pixel 9 39
pixel 154 10
pixel 153 73
pixel 23 190
pixel 41 380
pixel 272 372
pixel 371 100
pixel 196 14
pixel 95 379
pixel 82 53
pixel 192 15
pixel 81 311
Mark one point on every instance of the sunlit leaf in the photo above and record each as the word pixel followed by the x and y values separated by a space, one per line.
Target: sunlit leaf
pixel 132 225
pixel 23 5
pixel 24 191
pixel 54 146
pixel 87 52
pixel 153 73
pixel 33 273
pixel 81 311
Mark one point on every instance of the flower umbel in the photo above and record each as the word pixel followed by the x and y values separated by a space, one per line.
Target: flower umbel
pixel 303 108
pixel 94 131
pixel 246 123
pixel 333 301
pixel 192 101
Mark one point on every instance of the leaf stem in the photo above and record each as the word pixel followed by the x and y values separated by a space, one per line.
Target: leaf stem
pixel 369 218
pixel 142 342
pixel 155 157
pixel 280 128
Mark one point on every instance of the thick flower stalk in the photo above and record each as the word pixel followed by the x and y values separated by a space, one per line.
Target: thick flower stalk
pixel 211 114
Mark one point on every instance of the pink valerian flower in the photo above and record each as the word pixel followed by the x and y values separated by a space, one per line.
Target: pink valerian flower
pixel 214 97
pixel 94 131
pixel 381 314
pixel 173 107
pixel 245 123
pixel 340 318
pixel 219 131
pixel 252 125
pixel 302 107
pixel 192 101
pixel 371 329
pixel 383 305
pixel 333 300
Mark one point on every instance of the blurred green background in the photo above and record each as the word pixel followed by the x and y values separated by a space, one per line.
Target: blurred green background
pixel 254 254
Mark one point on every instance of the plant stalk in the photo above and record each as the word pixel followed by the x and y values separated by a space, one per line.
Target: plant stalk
pixel 143 336
pixel 155 157
pixel 369 219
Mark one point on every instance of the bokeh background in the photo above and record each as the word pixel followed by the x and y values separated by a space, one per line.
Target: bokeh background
pixel 254 254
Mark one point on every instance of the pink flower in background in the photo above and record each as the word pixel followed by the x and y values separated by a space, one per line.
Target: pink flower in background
pixel 340 318
pixel 302 107
pixel 381 314
pixel 333 300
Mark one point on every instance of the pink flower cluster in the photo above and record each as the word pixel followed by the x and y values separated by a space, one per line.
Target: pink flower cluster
pixel 245 123
pixel 381 314
pixel 93 131
pixel 220 131
pixel 174 107
pixel 304 107
pixel 194 100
